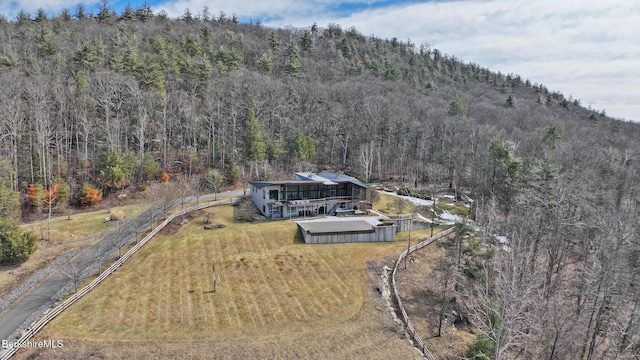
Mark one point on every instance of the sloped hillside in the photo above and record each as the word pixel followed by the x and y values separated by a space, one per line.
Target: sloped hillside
pixel 116 101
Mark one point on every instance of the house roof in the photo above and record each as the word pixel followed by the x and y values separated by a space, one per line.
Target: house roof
pixel 314 177
pixel 341 178
pixel 308 178
pixel 330 227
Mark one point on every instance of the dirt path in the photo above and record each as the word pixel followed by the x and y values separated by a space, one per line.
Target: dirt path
pixel 418 289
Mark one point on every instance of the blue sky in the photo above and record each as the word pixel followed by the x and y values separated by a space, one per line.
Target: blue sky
pixel 588 49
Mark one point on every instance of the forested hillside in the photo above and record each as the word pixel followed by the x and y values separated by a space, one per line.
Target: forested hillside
pixel 112 101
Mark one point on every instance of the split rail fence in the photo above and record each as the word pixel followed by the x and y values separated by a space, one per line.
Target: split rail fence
pixel 51 314
pixel 412 331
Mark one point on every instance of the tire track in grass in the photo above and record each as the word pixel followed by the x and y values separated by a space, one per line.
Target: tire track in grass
pixel 200 289
pixel 197 289
pixel 253 309
pixel 270 286
pixel 290 299
pixel 209 307
pixel 135 314
pixel 291 292
pixel 333 286
pixel 234 303
pixel 322 279
pixel 154 293
pixel 164 284
pixel 248 302
pixel 316 274
pixel 301 307
pixel 311 300
pixel 143 304
pixel 179 293
pixel 174 276
pixel 225 306
pixel 138 309
pixel 105 303
pixel 276 307
pixel 217 309
pixel 131 313
pixel 336 281
pixel 189 316
pixel 228 301
pixel 120 303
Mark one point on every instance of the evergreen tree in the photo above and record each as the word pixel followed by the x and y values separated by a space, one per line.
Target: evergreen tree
pixel 504 167
pixel 117 168
pixel 81 13
pixel 144 12
pixel 255 147
pixel 456 108
pixel 104 10
pixel 127 14
pixel 15 245
pixel 9 199
pixel 302 147
pixel 292 66
pixel 266 61
pixel 41 17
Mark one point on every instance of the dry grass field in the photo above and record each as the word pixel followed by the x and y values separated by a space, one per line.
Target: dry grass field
pixel 386 205
pixel 277 298
pixel 79 225
pixel 65 235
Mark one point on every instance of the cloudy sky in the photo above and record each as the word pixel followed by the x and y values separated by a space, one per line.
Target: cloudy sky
pixel 588 49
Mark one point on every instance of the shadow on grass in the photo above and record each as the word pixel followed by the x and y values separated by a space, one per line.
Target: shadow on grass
pixel 298 239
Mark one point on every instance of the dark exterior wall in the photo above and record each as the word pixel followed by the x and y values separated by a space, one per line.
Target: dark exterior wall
pixel 381 234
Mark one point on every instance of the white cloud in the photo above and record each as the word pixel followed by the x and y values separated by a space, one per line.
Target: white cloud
pixel 12 7
pixel 590 50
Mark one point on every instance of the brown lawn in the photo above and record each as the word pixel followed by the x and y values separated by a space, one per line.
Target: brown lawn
pixel 277 298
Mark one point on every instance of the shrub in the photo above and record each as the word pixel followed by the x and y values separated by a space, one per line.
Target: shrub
pixel 456 209
pixel 117 215
pixel 481 349
pixel 417 193
pixel 90 195
pixel 15 245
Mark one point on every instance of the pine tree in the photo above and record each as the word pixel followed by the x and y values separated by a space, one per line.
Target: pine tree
pixel 254 144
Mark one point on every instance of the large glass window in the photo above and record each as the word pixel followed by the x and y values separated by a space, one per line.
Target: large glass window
pixel 292 192
pixel 273 194
pixel 343 190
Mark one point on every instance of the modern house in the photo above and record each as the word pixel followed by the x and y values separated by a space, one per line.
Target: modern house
pixel 309 194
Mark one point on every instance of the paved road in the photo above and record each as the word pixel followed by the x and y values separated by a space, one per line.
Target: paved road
pixel 22 313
